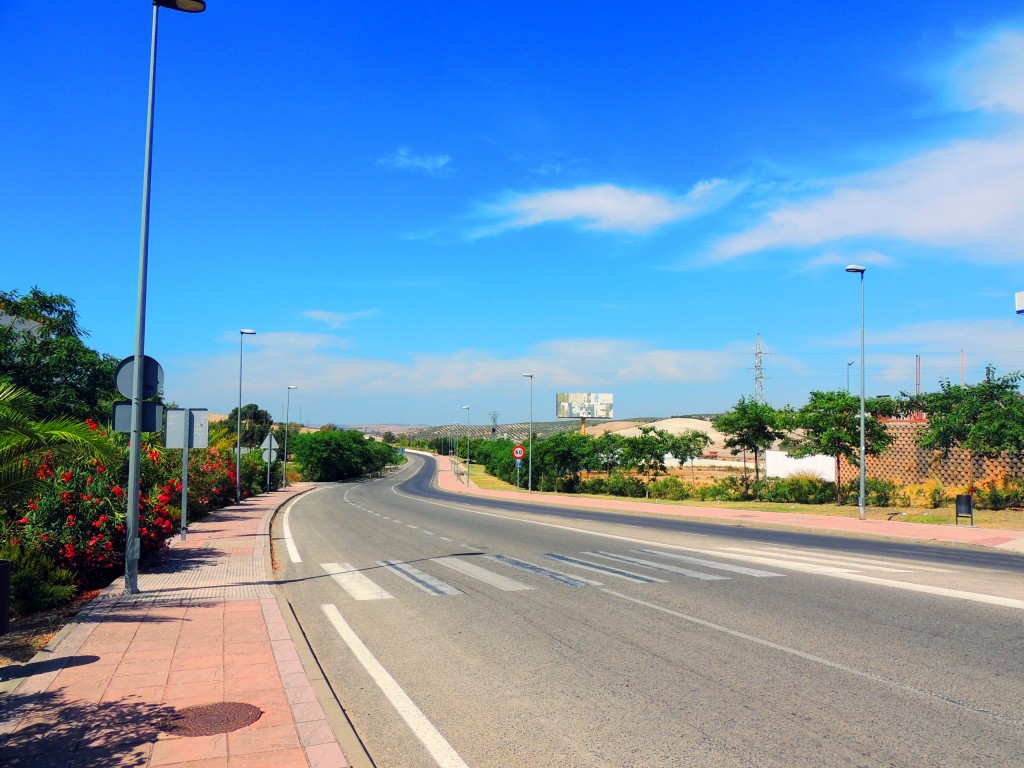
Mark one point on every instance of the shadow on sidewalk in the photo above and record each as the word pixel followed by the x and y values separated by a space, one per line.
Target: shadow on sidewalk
pixel 41 667
pixel 59 732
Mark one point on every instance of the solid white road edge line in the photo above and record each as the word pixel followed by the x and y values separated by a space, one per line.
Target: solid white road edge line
pixel 289 542
pixel 816 659
pixel 977 597
pixel 442 752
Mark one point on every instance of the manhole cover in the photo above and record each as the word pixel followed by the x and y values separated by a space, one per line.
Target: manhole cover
pixel 210 719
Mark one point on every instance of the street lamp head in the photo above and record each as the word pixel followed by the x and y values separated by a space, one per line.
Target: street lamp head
pixel 188 6
pixel 528 375
pixel 856 268
pixel 292 386
pixel 465 407
pixel 247 332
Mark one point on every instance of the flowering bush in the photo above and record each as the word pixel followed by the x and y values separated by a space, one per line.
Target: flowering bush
pixel 78 519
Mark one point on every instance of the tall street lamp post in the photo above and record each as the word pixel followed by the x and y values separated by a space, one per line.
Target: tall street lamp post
pixel 466 407
pixel 858 269
pixel 529 482
pixel 287 426
pixel 242 333
pixel 131 554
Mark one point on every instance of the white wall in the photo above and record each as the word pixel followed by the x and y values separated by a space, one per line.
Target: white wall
pixel 778 464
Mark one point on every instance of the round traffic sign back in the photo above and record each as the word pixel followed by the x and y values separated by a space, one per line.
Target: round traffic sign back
pixel 518 452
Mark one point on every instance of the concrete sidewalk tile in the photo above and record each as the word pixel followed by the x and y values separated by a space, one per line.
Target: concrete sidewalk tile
pixel 307 712
pixel 327 756
pixel 281 758
pixel 180 749
pixel 151 694
pixel 314 732
pixel 187 694
pixel 195 677
pixel 249 740
pixel 240 686
pixel 300 695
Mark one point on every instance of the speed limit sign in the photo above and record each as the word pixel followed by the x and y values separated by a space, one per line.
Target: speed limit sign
pixel 518 452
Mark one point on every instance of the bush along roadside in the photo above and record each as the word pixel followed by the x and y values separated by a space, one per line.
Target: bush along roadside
pixel 71 534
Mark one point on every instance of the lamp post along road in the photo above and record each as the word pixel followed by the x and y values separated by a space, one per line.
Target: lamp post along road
pixel 466 407
pixel 242 333
pixel 529 476
pixel 287 408
pixel 857 269
pixel 131 550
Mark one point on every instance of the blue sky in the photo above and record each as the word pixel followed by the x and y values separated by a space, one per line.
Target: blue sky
pixel 414 203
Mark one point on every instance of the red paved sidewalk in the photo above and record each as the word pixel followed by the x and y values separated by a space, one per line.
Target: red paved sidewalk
pixel 205 628
pixel 446 479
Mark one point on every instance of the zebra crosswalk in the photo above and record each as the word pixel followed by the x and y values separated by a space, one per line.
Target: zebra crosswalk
pixel 386 578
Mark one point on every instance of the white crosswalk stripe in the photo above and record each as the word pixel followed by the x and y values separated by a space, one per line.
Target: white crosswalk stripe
pixel 356 583
pixel 420 579
pixel 846 562
pixel 466 568
pixel 636 578
pixel 658 566
pixel 756 573
pixel 865 562
pixel 540 570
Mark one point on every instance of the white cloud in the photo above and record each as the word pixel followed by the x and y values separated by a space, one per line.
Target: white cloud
pixel 608 208
pixel 966 196
pixel 404 159
pixel 336 320
pixel 989 77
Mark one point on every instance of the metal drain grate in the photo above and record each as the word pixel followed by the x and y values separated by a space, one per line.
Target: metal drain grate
pixel 210 719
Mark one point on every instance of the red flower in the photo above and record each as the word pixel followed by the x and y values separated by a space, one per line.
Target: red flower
pixel 71 519
pixel 101 469
pixel 91 424
pixel 23 521
pixel 66 477
pixel 154 455
pixel 32 506
pixel 118 491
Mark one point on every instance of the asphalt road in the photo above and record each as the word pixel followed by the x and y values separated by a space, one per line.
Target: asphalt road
pixel 462 633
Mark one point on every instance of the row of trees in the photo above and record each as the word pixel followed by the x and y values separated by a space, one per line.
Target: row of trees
pixel 986 419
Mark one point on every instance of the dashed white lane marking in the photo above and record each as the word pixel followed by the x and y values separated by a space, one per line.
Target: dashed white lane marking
pixel 428 533
pixel 444 538
pixel 658 566
pixel 636 578
pixel 358 586
pixel 503 583
pixel 414 527
pixel 420 579
pixel 711 564
pixel 437 745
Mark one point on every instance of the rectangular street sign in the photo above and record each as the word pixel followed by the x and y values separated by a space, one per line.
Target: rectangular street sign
pixel 198 428
pixel 152 416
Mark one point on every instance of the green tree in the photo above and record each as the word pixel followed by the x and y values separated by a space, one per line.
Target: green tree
pixel 42 351
pixel 26 441
pixel 689 445
pixel 560 458
pixel 646 452
pixel 256 424
pixel 830 426
pixel 608 450
pixel 340 454
pixel 751 426
pixel 985 419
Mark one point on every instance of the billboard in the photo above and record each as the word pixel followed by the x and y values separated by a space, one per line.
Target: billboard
pixel 584 405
